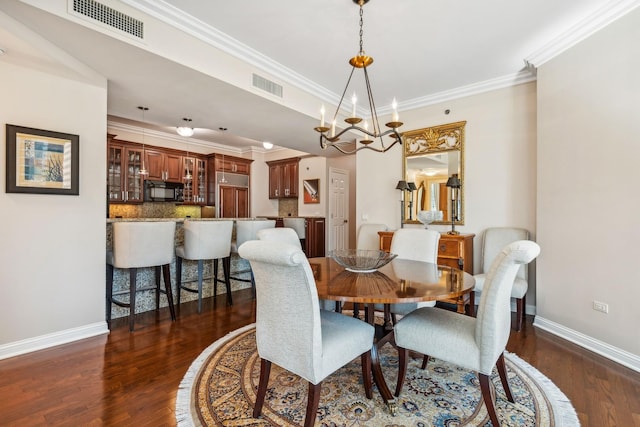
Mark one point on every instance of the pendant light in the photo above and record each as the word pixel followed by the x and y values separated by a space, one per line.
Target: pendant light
pixel 143 171
pixel 223 180
pixel 186 131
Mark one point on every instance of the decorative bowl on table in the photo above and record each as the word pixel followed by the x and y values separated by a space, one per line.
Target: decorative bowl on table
pixel 427 217
pixel 360 260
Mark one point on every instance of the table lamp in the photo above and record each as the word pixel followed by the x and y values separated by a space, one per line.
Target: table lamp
pixel 454 183
pixel 402 186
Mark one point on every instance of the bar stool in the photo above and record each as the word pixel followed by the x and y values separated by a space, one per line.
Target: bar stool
pixel 247 230
pixel 204 240
pixel 299 225
pixel 137 245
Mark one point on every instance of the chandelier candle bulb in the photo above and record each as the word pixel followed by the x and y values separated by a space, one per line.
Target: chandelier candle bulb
pixel 333 128
pixel 322 116
pixel 394 116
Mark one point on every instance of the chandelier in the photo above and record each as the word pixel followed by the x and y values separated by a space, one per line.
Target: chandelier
pixel 328 136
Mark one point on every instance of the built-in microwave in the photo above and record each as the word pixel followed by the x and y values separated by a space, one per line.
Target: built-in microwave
pixel 160 191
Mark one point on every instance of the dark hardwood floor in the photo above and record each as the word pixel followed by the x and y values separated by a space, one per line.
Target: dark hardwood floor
pixel 129 379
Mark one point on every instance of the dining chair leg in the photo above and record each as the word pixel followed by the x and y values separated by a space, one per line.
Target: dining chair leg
pixel 485 387
pixel 226 268
pixel 403 360
pixel 520 306
pixel 365 360
pixel 472 304
pixel 167 285
pixel 265 370
pixel 200 268
pixel 425 360
pixel 179 277
pixel 312 404
pixel 502 370
pixel 157 276
pixel 133 272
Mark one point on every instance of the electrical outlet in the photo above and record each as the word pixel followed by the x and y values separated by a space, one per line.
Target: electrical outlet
pixel 601 306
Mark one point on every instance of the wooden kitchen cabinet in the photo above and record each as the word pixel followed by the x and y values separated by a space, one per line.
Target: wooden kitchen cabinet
pixel 163 165
pixel 234 202
pixel 314 237
pixel 283 178
pixel 124 162
pixel 233 164
pixel 454 250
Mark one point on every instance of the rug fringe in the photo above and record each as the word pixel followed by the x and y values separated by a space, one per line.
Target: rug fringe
pixel 185 389
pixel 565 415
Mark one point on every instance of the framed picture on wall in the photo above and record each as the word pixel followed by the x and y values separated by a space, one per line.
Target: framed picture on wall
pixel 311 190
pixel 41 161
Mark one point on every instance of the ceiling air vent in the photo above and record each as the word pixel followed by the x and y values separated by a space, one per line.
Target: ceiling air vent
pixel 109 16
pixel 267 85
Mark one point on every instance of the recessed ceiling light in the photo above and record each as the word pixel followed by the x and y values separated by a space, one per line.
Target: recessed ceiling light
pixel 222 129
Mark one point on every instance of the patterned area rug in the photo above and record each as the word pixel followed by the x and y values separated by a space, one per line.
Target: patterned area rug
pixel 219 389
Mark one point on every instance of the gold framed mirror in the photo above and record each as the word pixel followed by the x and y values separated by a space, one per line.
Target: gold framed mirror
pixel 430 157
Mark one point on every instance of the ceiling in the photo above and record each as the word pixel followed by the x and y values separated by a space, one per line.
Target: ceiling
pixel 425 52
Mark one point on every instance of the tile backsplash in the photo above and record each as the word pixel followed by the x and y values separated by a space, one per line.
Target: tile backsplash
pixel 154 210
pixel 287 207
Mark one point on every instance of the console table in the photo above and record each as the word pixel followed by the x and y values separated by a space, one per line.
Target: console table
pixel 454 250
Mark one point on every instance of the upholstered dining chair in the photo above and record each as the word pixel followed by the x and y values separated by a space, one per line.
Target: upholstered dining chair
pixel 288 235
pixel 368 238
pixel 280 234
pixel 205 240
pixel 247 230
pixel 417 245
pixel 292 331
pixel 472 343
pixel 299 225
pixel 493 240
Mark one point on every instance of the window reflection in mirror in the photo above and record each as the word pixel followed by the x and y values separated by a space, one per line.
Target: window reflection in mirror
pixel 430 156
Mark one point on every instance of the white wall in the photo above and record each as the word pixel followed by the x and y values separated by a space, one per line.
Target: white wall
pixel 588 150
pixel 52 274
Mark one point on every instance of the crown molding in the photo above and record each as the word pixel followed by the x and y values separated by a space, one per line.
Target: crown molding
pixel 599 19
pixel 520 77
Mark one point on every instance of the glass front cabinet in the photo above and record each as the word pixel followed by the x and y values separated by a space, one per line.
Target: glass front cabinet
pixel 124 182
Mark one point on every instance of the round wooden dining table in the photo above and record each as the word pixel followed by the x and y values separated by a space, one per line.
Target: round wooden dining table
pixel 400 281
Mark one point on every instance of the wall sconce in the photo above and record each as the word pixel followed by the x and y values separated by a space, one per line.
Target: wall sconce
pixel 454 184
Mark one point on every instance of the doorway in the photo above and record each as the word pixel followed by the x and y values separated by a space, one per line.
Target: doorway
pixel 338 209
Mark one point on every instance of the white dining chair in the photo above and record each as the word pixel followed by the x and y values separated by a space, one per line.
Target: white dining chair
pixel 493 240
pixel 291 330
pixel 471 343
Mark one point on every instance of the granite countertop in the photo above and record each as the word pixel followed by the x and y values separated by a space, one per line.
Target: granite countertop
pixel 112 220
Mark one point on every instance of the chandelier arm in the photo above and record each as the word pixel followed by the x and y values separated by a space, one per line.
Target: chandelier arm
pixel 372 104
pixel 335 116
pixel 334 141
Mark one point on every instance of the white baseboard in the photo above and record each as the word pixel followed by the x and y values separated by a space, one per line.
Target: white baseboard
pixel 51 340
pixel 615 354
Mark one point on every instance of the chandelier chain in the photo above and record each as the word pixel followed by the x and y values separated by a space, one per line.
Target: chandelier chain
pixel 361 30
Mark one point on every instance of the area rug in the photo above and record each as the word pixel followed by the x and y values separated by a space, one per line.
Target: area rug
pixel 219 389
